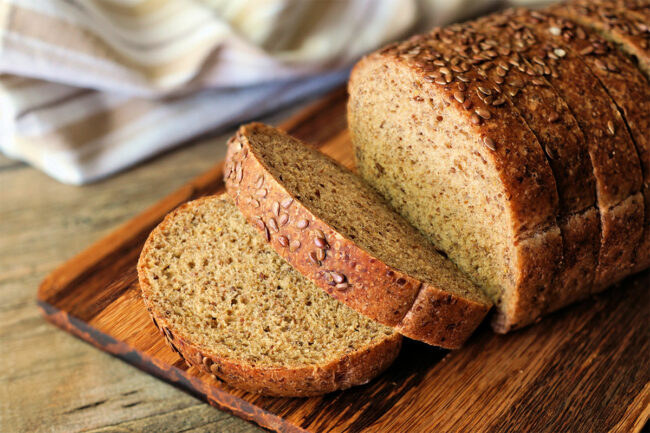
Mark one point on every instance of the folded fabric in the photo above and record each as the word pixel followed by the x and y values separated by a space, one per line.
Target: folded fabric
pixel 90 87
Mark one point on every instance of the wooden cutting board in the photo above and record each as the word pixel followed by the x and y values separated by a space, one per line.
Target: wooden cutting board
pixel 586 368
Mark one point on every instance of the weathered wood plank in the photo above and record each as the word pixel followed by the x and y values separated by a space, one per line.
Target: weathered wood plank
pixel 583 368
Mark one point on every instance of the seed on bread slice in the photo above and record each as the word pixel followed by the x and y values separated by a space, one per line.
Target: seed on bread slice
pixel 230 306
pixel 340 233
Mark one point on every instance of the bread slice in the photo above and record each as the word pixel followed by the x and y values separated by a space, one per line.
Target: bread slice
pixel 629 29
pixel 621 78
pixel 553 124
pixel 230 306
pixel 335 229
pixel 465 170
pixel 614 157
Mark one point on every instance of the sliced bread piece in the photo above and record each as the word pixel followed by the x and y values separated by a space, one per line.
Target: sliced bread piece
pixel 230 306
pixel 629 29
pixel 338 231
pixel 492 50
pixel 614 157
pixel 463 168
pixel 621 78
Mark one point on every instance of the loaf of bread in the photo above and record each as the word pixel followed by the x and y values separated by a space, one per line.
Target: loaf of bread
pixel 517 144
pixel 230 306
pixel 340 233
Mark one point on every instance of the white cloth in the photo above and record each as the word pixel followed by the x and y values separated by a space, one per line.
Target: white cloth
pixel 89 87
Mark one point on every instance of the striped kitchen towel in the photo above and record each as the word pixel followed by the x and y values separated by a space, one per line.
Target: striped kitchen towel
pixel 89 87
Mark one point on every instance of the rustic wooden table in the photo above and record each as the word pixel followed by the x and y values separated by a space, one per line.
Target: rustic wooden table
pixel 49 380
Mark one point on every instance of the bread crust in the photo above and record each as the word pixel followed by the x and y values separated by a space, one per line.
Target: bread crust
pixel 539 240
pixel 559 135
pixel 628 28
pixel 613 153
pixel 525 174
pixel 620 76
pixel 354 368
pixel 344 270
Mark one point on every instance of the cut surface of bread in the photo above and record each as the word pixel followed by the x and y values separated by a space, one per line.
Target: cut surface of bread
pixel 231 306
pixel 459 167
pixel 338 231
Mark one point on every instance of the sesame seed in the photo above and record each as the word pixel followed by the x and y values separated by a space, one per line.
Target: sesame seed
pixel 342 286
pixel 600 64
pixel 586 51
pixel 475 119
pixel 559 52
pixel 261 193
pixel 286 202
pixel 459 96
pixel 338 278
pixel 283 240
pixel 484 90
pixel 320 254
pixel 610 128
pixel 275 208
pixel 320 242
pixel 273 224
pixel 484 113
pixel 294 245
pixel 260 182
pixel 303 223
pixel 284 218
pixel 489 143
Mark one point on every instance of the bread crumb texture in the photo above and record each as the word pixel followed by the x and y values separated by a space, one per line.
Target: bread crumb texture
pixel 218 284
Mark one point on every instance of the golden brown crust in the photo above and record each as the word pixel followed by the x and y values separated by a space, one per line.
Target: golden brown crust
pixel 337 264
pixel 525 174
pixel 621 78
pixel 542 109
pixel 552 122
pixel 612 151
pixel 628 28
pixel 355 368
pixel 352 369
pixel 538 254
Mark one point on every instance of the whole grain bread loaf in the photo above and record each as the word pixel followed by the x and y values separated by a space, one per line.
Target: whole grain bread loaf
pixel 339 232
pixel 231 307
pixel 467 172
pixel 417 138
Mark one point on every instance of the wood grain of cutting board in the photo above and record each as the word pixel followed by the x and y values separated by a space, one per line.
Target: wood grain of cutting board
pixel 585 368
